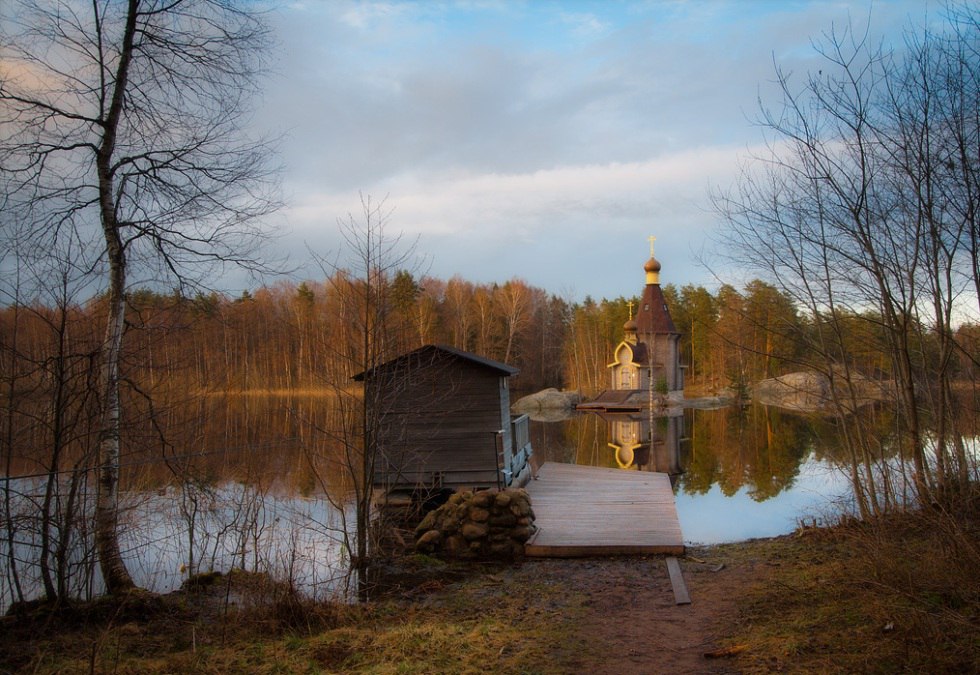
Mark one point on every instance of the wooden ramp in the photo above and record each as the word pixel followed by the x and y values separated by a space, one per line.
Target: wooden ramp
pixel 589 511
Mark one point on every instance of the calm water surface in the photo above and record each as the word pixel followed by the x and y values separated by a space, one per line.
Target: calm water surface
pixel 738 473
pixel 247 478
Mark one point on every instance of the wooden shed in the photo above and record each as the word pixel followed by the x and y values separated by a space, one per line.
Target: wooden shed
pixel 443 421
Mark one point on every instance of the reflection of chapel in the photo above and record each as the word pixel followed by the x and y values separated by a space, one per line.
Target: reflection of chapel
pixel 644 442
pixel 648 356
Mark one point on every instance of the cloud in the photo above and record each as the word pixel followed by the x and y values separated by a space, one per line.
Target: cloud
pixel 585 25
pixel 513 134
pixel 494 226
pixel 364 15
pixel 450 203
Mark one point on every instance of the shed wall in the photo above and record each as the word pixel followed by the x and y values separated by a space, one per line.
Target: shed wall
pixel 440 423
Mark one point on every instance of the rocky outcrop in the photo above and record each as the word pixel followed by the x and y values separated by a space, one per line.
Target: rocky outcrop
pixel 546 400
pixel 796 391
pixel 490 524
pixel 811 392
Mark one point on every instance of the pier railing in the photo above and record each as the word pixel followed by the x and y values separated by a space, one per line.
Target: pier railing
pixel 516 457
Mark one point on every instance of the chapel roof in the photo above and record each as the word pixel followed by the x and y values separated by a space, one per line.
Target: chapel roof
pixel 652 316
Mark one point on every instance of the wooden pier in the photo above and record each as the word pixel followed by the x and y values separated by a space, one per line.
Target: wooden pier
pixel 590 511
pixel 625 400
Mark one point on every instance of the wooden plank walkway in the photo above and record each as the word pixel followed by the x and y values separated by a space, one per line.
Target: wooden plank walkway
pixel 586 511
pixel 681 596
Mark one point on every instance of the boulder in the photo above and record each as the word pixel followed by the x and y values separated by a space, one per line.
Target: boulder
pixel 795 391
pixel 812 392
pixel 546 399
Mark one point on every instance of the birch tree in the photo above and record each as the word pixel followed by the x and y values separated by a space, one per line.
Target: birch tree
pixel 121 124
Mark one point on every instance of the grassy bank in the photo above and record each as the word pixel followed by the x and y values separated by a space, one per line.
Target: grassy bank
pixel 898 595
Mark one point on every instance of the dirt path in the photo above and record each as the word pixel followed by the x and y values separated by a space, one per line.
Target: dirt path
pixel 596 615
pixel 626 617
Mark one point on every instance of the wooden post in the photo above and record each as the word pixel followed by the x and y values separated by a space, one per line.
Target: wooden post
pixel 497 455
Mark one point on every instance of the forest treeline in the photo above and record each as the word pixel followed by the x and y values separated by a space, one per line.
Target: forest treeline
pixel 291 335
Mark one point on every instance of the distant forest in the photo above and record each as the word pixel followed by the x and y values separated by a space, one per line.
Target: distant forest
pixel 306 335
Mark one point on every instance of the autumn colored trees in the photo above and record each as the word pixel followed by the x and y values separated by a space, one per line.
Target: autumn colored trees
pixel 269 349
pixel 285 336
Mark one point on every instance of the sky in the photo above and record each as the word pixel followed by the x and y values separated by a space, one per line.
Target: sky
pixel 540 140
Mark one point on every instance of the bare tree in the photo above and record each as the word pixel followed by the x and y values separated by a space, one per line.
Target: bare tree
pixel 864 212
pixel 121 123
pixel 514 299
pixel 458 303
pixel 366 338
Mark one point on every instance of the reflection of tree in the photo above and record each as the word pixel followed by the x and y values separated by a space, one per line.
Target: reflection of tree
pixel 254 439
pixel 700 463
pixel 549 442
pixel 877 421
pixel 757 448
pixel 590 434
pixel 884 478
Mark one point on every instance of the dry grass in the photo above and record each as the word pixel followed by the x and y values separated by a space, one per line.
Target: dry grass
pixel 469 627
pixel 897 595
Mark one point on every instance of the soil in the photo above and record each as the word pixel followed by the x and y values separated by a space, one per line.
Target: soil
pixel 627 620
pixel 620 613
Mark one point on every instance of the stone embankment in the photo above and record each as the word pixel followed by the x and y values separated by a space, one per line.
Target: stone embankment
pixel 481 525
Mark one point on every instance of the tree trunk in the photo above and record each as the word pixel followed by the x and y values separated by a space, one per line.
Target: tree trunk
pixel 114 572
pixel 113 568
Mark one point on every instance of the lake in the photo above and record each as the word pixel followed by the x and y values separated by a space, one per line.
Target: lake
pixel 247 477
pixel 738 473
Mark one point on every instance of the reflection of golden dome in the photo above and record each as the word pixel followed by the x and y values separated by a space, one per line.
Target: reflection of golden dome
pixel 624 457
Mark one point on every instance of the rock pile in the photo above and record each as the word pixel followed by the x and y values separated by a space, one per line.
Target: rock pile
pixel 478 525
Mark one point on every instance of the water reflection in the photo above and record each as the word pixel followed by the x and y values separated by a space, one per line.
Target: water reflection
pixel 244 480
pixel 737 472
pixel 168 535
pixel 647 441
pixel 214 482
pixel 757 449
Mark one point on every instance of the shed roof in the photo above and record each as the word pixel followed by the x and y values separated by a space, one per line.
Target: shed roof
pixel 431 352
